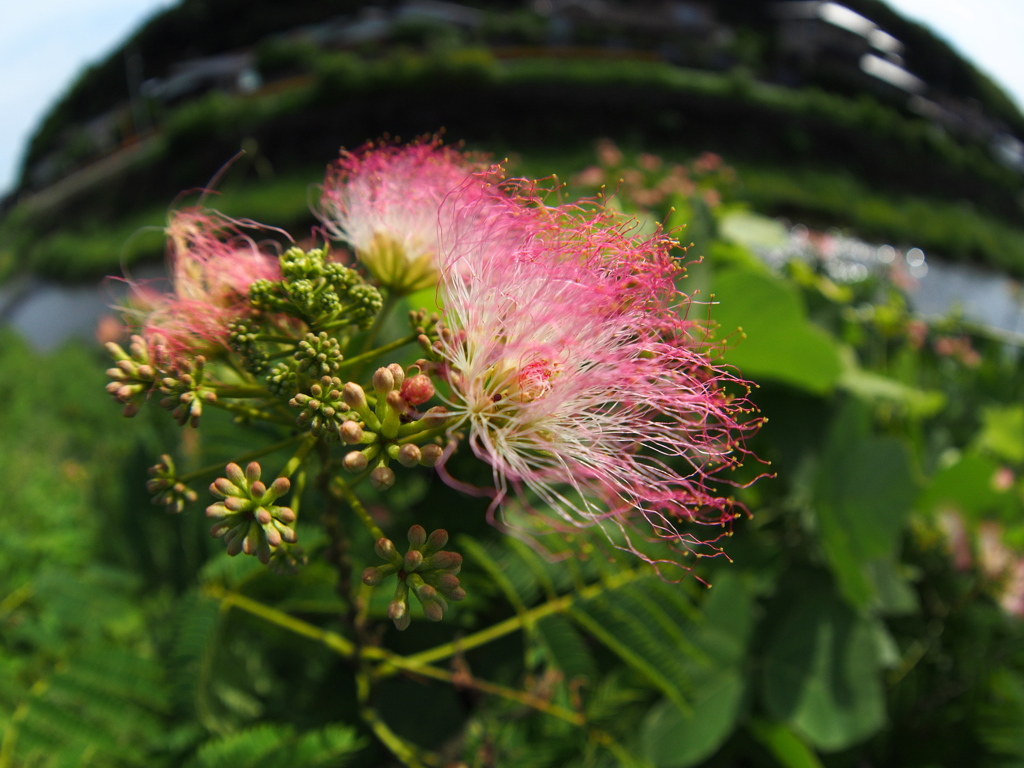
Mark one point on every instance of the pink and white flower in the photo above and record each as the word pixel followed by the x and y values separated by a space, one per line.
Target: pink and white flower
pixel 383 200
pixel 211 264
pixel 576 376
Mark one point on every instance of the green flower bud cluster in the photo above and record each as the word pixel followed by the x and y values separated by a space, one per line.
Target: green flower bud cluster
pixel 247 518
pixel 318 355
pixel 168 491
pixel 283 379
pixel 133 376
pixel 286 559
pixel 242 340
pixel 324 409
pixel 186 393
pixel 424 325
pixel 320 292
pixel 426 570
pixel 389 430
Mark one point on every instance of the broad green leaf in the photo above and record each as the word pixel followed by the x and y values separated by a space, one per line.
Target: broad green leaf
pixel 965 485
pixel 1002 714
pixel 863 495
pixel 673 738
pixel 1002 432
pixel 752 230
pixel 821 671
pixel 875 388
pixel 780 342
pixel 786 746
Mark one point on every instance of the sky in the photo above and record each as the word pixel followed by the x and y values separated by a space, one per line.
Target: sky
pixel 45 43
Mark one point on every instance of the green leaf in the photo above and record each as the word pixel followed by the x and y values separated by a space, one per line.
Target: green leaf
pixel 1002 715
pixel 674 738
pixel 966 485
pixel 272 745
pixel 821 670
pixel 105 702
pixel 874 388
pixel 786 746
pixel 566 648
pixel 1002 432
pixel 781 343
pixel 863 495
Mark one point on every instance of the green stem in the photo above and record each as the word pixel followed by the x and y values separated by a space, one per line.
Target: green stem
pixel 506 627
pixel 335 642
pixel 244 458
pixel 407 753
pixel 378 323
pixel 252 413
pixel 484 686
pixel 347 649
pixel 374 353
pixel 358 508
pixel 239 391
pixel 295 461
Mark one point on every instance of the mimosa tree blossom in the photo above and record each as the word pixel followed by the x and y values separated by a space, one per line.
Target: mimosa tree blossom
pixel 383 200
pixel 211 264
pixel 577 375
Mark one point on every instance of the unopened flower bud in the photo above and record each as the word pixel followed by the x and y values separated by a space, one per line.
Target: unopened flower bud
pixel 259 488
pixel 381 478
pixel 417 536
pixel 280 486
pixel 353 395
pixel 396 402
pixel 448 585
pixel 286 514
pixel 234 473
pixel 430 455
pixel 383 381
pixel 409 455
pixel 433 609
pixel 350 431
pixel 372 576
pixel 435 541
pixel 417 389
pixel 235 504
pixel 385 549
pixel 436 416
pixel 222 488
pixel 355 461
pixel 398 373
pixel 446 561
pixel 413 560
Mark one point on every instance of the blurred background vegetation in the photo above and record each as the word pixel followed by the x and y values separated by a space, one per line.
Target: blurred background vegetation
pixel 871 614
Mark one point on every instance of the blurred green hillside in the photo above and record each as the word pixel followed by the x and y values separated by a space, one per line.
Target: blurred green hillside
pixel 825 142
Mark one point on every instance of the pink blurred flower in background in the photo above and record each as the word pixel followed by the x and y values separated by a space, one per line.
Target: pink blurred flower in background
pixel 212 264
pixel 382 200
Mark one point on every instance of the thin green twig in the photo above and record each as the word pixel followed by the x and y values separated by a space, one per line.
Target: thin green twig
pixel 245 457
pixel 357 507
pixel 375 353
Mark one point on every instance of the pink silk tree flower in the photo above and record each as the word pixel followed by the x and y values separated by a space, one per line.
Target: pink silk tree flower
pixel 577 378
pixel 382 201
pixel 211 264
